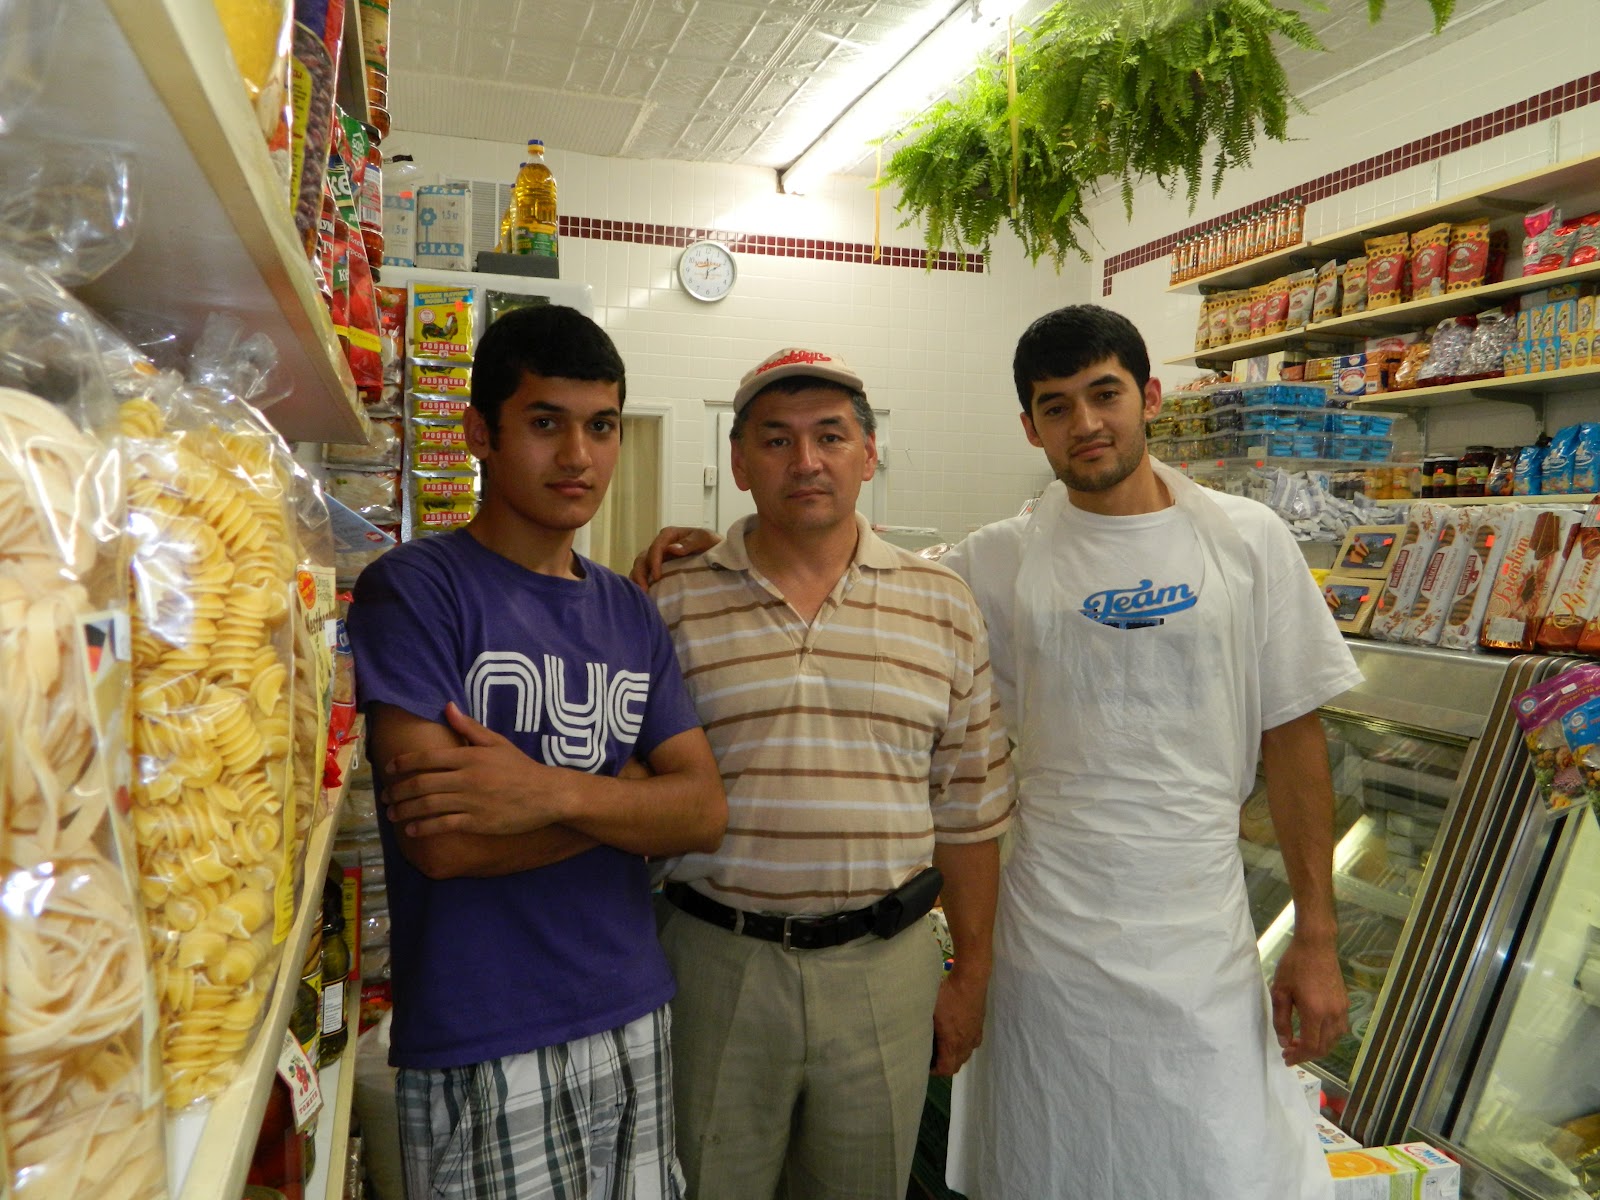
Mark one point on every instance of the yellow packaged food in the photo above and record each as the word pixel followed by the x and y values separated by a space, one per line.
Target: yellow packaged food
pixel 441 323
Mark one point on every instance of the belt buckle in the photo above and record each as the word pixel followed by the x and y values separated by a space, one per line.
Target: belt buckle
pixel 787 924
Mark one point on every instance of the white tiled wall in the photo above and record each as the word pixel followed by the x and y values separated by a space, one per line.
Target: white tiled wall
pixel 1520 50
pixel 933 347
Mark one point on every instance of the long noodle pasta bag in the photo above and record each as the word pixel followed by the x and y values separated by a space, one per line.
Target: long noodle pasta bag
pixel 211 589
pixel 80 1096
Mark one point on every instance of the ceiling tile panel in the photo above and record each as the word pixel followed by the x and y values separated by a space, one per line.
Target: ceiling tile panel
pixel 499 112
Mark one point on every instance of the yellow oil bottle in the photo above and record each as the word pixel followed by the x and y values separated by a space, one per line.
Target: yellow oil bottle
pixel 533 202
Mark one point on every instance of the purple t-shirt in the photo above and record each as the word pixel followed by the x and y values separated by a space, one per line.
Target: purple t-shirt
pixel 578 673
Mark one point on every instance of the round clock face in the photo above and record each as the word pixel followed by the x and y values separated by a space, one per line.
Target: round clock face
pixel 707 270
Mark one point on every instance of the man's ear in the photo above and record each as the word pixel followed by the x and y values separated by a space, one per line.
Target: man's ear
pixel 479 438
pixel 1032 433
pixel 1152 398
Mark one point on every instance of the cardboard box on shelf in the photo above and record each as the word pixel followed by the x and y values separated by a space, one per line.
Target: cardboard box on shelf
pixel 1309 1081
pixel 1410 1171
pixel 1333 1138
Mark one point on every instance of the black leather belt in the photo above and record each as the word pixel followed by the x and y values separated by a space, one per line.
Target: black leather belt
pixel 793 933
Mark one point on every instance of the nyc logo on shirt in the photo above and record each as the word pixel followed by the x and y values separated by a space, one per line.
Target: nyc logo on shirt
pixel 1139 607
pixel 576 725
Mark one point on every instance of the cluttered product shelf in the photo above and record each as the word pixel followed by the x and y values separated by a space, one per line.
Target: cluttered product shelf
pixel 338 1083
pixel 1499 387
pixel 1509 195
pixel 216 235
pixel 209 1147
pixel 1467 501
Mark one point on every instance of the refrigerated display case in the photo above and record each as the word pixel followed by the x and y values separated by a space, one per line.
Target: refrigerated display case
pixel 1513 1088
pixel 1410 749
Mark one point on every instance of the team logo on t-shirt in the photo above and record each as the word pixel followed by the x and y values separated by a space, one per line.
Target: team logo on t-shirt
pixel 1138 607
pixel 537 697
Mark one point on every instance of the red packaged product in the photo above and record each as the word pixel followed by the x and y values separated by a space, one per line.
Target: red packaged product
pixel 1469 255
pixel 1577 592
pixel 1386 270
pixel 363 347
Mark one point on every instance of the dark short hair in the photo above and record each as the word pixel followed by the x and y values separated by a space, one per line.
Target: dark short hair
pixel 1064 342
pixel 549 340
pixel 791 385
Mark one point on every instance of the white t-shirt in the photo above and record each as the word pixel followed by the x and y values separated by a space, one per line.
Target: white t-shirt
pixel 1138 567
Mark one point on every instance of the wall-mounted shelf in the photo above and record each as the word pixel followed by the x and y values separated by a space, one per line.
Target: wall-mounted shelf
pixel 1509 387
pixel 1520 194
pixel 1474 501
pixel 215 233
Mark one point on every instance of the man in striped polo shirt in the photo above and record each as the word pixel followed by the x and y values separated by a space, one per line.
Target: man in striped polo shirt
pixel 844 684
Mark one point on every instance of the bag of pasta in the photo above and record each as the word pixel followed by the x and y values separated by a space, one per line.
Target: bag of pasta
pixel 80 1112
pixel 212 594
pixel 316 611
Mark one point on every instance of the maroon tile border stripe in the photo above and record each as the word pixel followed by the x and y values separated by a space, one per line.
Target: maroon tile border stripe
pixel 1540 107
pixel 646 234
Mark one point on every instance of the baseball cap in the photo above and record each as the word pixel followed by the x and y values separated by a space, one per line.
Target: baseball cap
pixel 790 362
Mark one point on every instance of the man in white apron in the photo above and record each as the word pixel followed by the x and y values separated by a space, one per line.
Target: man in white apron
pixel 1149 638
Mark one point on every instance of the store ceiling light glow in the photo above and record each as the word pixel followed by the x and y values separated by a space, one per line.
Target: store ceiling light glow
pixel 915 72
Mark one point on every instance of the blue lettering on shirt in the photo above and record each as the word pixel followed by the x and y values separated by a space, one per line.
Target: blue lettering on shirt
pixel 1139 607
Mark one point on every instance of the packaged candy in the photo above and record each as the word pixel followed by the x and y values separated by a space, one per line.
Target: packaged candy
pixel 1485 354
pixel 1386 269
pixel 441 322
pixel 1449 343
pixel 1423 523
pixel 1469 255
pixel 1355 286
pixel 1436 595
pixel 1430 252
pixel 1528 574
pixel 1560 720
pixel 1558 461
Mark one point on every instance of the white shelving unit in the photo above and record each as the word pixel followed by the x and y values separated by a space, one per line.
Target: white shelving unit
pixel 209 1147
pixel 1469 501
pixel 156 78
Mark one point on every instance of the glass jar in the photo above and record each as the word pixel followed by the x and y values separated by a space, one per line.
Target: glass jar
pixel 1444 477
pixel 1472 473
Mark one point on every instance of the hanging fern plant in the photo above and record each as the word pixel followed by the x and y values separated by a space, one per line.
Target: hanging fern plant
pixel 1116 94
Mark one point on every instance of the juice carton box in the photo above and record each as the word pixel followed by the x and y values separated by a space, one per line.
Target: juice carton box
pixel 1410 1171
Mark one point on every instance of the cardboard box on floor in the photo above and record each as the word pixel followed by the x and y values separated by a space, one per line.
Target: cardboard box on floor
pixel 1410 1171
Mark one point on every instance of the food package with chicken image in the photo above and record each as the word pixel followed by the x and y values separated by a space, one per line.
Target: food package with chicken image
pixel 1488 539
pixel 1576 598
pixel 1526 579
pixel 1436 594
pixel 441 323
pixel 1423 522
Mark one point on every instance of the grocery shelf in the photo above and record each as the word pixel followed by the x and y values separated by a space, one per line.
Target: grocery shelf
pixel 1287 462
pixel 1508 387
pixel 1519 194
pixel 156 78
pixel 338 1083
pixel 1224 356
pixel 1576 501
pixel 1418 314
pixel 209 1146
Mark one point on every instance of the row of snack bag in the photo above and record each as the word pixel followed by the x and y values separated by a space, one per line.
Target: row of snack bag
pixel 1510 577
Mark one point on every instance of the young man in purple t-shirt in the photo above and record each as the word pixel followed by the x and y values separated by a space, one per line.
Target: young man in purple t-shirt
pixel 507 682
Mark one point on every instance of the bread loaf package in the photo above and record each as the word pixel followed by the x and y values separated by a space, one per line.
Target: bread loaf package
pixel 1488 537
pixel 1436 595
pixel 1423 522
pixel 1527 577
pixel 1577 593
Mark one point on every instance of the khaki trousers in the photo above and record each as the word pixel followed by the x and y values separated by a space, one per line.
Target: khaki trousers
pixel 799 1074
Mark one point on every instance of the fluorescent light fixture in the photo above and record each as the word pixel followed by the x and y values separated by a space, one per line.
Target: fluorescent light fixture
pixel 923 73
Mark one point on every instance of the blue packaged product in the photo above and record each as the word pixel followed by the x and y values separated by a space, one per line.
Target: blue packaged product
pixel 1528 474
pixel 1586 460
pixel 1558 462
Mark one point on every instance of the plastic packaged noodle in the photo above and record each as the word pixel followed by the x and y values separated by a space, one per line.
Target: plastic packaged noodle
pixel 313 656
pixel 213 589
pixel 80 1115
pixel 68 209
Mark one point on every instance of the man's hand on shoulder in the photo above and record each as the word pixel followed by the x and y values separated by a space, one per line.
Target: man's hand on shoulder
pixel 675 541
pixel 486 786
pixel 1310 1008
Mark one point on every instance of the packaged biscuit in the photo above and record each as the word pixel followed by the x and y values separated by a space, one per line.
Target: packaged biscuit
pixel 442 379
pixel 1221 319
pixel 1202 332
pixel 436 409
pixel 441 323
pixel 1423 522
pixel 1425 622
pixel 1527 578
pixel 1386 269
pixel 1430 252
pixel 1577 593
pixel 1355 286
pixel 1325 293
pixel 1491 532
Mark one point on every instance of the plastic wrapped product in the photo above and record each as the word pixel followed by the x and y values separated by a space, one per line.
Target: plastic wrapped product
pixel 1354 280
pixel 1423 522
pixel 1528 575
pixel 1436 596
pixel 1488 538
pixel 441 323
pixel 69 210
pixel 1468 264
pixel 1386 269
pixel 1430 250
pixel 1448 351
pixel 28 29
pixel 1559 719
pixel 1577 593
pixel 1485 354
pixel 381 449
pixel 1302 293
pixel 1325 296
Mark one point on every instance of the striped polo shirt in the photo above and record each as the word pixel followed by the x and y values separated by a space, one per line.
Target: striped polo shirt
pixel 847 746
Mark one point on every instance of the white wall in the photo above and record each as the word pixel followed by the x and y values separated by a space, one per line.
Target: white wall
pixel 1513 51
pixel 934 347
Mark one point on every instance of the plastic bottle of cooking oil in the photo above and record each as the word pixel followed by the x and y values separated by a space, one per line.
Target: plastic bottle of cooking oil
pixel 508 220
pixel 533 223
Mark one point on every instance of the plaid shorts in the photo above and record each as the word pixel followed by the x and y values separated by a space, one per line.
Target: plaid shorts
pixel 587 1120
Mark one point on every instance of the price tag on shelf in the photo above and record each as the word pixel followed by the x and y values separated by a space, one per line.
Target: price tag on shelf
pixel 295 1069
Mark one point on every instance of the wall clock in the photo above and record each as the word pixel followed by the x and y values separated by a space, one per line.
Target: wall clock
pixel 707 270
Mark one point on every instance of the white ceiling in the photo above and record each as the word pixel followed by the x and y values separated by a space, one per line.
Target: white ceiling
pixel 731 81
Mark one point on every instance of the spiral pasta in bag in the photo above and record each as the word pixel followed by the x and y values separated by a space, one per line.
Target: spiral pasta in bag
pixel 213 812
pixel 80 1111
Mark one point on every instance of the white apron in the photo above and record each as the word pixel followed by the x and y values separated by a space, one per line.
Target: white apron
pixel 1129 1053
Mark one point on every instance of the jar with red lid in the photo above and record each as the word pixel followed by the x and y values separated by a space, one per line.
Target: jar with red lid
pixel 1444 476
pixel 1472 472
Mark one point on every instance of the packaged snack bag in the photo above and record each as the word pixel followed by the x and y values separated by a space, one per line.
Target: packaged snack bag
pixel 1430 251
pixel 1355 286
pixel 1325 296
pixel 1425 622
pixel 1469 255
pixel 441 323
pixel 1558 461
pixel 1386 269
pixel 1489 535
pixel 1423 522
pixel 1277 306
pixel 1577 592
pixel 1521 592
pixel 1302 292
pixel 1560 720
